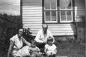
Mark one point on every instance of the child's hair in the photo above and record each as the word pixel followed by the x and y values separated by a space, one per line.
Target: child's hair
pixel 33 41
pixel 50 39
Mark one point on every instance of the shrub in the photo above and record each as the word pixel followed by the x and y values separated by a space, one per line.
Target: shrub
pixel 27 35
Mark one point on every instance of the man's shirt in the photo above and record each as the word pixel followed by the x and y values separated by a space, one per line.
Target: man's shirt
pixel 41 38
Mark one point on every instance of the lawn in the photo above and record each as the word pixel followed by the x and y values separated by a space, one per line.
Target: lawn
pixel 71 49
pixel 65 48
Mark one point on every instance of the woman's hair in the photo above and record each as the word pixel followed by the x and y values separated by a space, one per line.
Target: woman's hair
pixel 20 30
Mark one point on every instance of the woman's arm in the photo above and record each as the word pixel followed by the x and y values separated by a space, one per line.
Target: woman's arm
pixel 10 48
pixel 26 42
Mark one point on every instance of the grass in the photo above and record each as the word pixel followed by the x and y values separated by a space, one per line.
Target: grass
pixel 65 48
pixel 71 49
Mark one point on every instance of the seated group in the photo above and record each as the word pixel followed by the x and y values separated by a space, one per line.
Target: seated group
pixel 42 44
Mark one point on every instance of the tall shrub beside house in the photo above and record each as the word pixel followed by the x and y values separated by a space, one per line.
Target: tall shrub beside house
pixel 27 35
pixel 9 25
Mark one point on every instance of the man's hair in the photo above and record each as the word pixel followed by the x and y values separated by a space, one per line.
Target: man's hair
pixel 44 25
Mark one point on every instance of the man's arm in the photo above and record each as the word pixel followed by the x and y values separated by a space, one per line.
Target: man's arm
pixel 51 35
pixel 53 39
pixel 10 48
pixel 37 38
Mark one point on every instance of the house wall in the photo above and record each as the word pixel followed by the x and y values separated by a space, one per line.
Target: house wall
pixel 80 18
pixel 32 14
pixel 32 17
pixel 85 21
pixel 80 11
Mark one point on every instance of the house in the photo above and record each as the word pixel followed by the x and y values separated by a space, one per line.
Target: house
pixel 61 16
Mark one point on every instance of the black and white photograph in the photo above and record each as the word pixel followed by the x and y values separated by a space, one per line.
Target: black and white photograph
pixel 42 28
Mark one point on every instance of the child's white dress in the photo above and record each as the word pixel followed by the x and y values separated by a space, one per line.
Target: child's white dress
pixel 35 51
pixel 50 50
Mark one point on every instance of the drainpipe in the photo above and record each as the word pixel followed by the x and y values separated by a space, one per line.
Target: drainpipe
pixel 75 22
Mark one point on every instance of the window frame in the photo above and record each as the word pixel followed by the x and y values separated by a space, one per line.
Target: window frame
pixel 66 21
pixel 66 9
pixel 56 9
pixel 58 13
pixel 51 17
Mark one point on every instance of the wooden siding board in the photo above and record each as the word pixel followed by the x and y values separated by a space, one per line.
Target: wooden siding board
pixel 30 21
pixel 31 7
pixel 33 10
pixel 55 34
pixel 31 17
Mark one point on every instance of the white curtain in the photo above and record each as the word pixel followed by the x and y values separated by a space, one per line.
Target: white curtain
pixel 64 3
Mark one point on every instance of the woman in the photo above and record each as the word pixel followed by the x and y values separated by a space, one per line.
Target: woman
pixel 16 45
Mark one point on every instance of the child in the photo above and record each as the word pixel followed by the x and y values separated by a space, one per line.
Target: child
pixel 50 48
pixel 34 50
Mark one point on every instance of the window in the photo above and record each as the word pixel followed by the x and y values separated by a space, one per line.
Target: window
pixel 66 11
pixel 50 11
pixel 58 11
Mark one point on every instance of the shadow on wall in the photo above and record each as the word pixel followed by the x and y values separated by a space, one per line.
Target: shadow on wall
pixel 79 29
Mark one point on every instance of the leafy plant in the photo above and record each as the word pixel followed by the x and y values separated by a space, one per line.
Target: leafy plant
pixel 27 35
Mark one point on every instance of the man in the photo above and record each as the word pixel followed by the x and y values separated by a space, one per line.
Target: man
pixel 42 36
pixel 16 45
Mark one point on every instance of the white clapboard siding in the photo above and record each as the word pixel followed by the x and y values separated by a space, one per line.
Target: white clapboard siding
pixel 61 29
pixel 32 17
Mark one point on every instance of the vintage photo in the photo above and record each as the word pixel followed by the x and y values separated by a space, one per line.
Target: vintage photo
pixel 43 28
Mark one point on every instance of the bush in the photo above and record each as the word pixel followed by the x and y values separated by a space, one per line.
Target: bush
pixel 27 35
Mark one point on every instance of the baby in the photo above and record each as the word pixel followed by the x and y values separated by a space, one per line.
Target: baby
pixel 34 50
pixel 50 48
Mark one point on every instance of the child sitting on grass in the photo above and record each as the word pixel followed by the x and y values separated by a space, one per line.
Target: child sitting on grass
pixel 34 50
pixel 50 48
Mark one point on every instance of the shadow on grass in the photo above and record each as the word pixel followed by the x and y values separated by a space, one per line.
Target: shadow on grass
pixel 70 49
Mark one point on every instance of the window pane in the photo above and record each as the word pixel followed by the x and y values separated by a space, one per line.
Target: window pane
pixel 53 4
pixel 53 15
pixel 69 16
pixel 65 4
pixel 47 4
pixel 47 15
pixel 63 16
